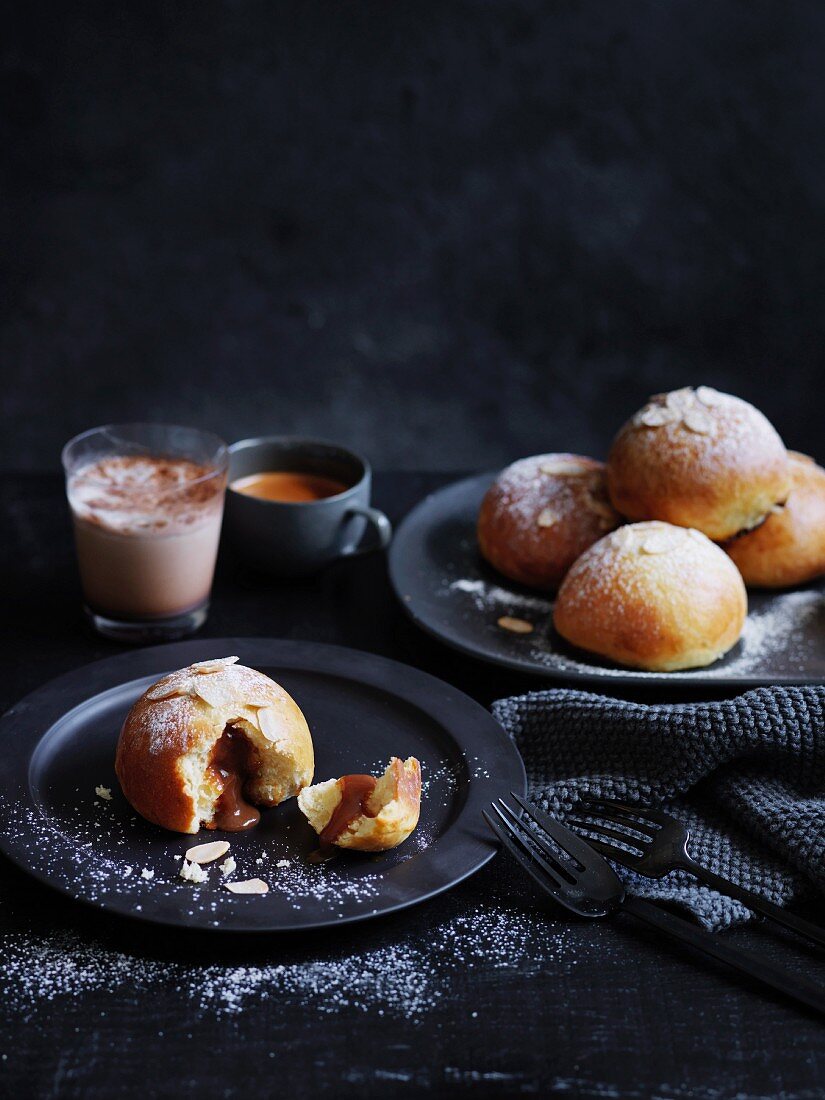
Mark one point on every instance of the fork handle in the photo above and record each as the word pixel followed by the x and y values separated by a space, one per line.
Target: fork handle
pixel 756 902
pixel 765 971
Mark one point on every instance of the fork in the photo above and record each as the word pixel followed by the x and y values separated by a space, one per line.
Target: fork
pixel 661 846
pixel 580 879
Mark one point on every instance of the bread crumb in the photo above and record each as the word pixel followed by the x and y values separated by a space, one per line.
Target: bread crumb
pixel 104 792
pixel 192 872
pixel 228 866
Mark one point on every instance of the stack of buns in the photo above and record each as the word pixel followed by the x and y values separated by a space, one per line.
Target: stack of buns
pixel 651 552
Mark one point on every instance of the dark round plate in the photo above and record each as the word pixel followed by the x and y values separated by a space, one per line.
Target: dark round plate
pixel 59 745
pixel 451 593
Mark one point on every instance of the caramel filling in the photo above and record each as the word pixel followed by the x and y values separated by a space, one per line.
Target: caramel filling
pixel 355 793
pixel 231 764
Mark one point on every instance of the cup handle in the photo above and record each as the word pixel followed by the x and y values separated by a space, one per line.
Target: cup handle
pixel 381 528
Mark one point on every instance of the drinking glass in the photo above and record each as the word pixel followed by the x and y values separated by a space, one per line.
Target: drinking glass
pixel 146 503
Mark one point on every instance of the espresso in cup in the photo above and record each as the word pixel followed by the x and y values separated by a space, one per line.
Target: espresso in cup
pixel 294 506
pixel 289 486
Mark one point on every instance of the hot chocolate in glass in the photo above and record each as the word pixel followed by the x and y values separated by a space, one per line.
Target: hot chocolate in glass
pixel 147 502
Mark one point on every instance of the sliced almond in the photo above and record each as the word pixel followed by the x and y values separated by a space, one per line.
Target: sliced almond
pixel 170 690
pixel 697 421
pixel 205 667
pixel 211 689
pixel 624 538
pixel 708 396
pixel 565 467
pixel 654 416
pixel 515 626
pixel 250 886
pixel 659 543
pixel 269 723
pixel 546 518
pixel 680 400
pixel 206 853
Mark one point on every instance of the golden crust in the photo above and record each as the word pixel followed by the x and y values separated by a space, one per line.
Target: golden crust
pixel 653 596
pixel 166 740
pixel 541 513
pixel 395 805
pixel 789 547
pixel 698 458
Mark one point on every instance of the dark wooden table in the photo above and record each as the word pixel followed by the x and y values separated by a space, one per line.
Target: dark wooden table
pixel 506 998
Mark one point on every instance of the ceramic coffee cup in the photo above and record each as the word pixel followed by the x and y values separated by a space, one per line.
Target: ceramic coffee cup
pixel 293 539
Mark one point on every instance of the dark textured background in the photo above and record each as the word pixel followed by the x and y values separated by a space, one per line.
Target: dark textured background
pixel 450 233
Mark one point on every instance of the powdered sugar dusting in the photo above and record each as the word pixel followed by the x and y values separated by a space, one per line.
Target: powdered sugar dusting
pixel 775 630
pixel 400 979
pixel 702 438
pixel 562 485
pixel 642 563
pixel 488 596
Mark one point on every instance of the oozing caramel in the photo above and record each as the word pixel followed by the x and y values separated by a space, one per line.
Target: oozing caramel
pixel 231 763
pixel 355 793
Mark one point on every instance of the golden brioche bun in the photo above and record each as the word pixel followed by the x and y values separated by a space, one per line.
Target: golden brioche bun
pixel 392 808
pixel 698 458
pixel 789 547
pixel 541 513
pixel 170 734
pixel 653 596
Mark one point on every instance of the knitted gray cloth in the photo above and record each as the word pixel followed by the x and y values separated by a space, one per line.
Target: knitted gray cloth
pixel 747 776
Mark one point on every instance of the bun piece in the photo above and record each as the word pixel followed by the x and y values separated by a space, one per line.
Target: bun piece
pixel 789 547
pixel 541 513
pixel 698 458
pixel 365 813
pixel 207 744
pixel 653 596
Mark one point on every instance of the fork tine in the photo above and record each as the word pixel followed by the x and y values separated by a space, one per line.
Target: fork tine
pixel 532 862
pixel 603 830
pixel 626 809
pixel 627 859
pixel 618 816
pixel 566 839
pixel 520 829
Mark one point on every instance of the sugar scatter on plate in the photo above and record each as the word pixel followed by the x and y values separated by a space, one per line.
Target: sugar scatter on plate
pixel 773 629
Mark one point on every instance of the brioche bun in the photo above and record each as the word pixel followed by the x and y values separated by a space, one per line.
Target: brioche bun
pixel 167 749
pixel 698 458
pixel 390 812
pixel 540 514
pixel 789 547
pixel 653 596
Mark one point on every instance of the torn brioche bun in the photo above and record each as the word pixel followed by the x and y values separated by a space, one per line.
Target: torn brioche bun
pixel 655 597
pixel 386 817
pixel 698 458
pixel 789 547
pixel 173 735
pixel 541 513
